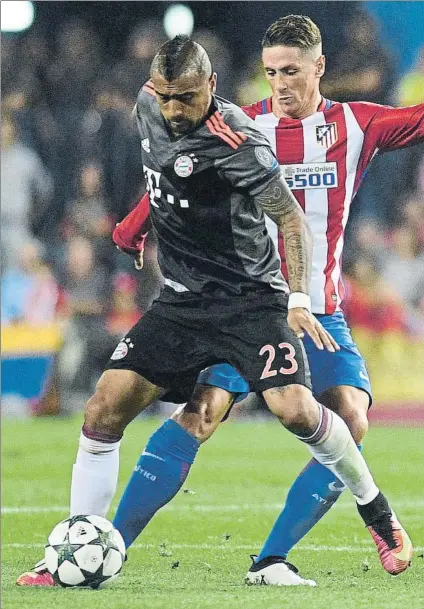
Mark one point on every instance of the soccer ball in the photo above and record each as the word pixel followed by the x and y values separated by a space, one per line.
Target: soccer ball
pixel 85 551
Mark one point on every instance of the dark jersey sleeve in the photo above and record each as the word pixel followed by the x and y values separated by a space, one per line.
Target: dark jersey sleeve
pixel 250 168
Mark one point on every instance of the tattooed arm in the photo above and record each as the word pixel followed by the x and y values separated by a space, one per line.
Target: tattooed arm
pixel 278 202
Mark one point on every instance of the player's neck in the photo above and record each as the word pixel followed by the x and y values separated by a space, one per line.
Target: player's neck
pixel 307 110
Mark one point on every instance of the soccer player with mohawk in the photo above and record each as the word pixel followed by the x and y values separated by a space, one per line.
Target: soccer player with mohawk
pixel 211 177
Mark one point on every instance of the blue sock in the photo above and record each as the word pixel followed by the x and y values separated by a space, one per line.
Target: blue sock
pixel 311 495
pixel 157 477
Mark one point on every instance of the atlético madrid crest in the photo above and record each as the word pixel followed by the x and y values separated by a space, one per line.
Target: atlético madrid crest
pixel 326 134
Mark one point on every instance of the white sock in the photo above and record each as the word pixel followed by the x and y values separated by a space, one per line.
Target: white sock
pixel 94 477
pixel 333 446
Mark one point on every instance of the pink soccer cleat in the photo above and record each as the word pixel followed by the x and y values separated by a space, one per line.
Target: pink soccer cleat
pixel 393 544
pixel 39 576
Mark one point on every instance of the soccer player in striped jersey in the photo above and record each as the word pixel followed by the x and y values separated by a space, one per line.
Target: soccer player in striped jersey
pixel 324 149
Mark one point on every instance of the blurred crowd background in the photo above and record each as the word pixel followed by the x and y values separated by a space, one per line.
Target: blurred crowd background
pixel 70 168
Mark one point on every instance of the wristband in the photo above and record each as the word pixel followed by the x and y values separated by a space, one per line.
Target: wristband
pixel 299 300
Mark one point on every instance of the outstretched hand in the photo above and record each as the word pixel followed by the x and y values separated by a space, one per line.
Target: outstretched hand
pixel 301 320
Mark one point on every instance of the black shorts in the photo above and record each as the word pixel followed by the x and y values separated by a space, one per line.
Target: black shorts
pixel 174 341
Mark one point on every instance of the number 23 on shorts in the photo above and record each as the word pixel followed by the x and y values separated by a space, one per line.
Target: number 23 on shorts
pixel 289 357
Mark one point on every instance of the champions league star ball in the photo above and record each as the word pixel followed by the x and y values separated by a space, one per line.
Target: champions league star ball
pixel 85 551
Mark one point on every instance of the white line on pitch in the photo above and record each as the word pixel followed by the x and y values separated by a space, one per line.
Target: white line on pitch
pixel 227 546
pixel 232 507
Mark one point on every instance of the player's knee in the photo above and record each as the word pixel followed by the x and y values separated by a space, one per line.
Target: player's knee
pixel 357 421
pixel 203 412
pixel 351 404
pixel 120 396
pixel 103 414
pixel 295 407
pixel 195 419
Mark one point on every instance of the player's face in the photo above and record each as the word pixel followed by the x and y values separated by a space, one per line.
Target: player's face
pixel 294 77
pixel 184 102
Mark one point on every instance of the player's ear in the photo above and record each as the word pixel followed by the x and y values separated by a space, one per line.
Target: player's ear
pixel 320 66
pixel 212 82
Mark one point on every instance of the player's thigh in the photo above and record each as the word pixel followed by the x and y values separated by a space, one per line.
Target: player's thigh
pixel 345 367
pixel 225 377
pixel 119 397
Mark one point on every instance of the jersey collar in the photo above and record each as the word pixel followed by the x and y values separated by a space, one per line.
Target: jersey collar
pixel 324 104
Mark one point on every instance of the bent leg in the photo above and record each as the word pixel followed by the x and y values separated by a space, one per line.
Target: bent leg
pixel 316 489
pixel 120 396
pixel 167 458
pixel 330 443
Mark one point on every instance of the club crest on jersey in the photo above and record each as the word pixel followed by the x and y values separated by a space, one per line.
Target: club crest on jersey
pixel 183 166
pixel 326 134
pixel 265 156
pixel 122 349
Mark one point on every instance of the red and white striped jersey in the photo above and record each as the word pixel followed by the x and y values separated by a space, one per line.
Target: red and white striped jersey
pixel 324 158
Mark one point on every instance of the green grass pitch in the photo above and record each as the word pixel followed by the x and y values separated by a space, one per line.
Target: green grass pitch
pixel 195 552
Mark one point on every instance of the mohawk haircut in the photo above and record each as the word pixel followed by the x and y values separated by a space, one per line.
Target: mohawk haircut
pixel 292 31
pixel 179 56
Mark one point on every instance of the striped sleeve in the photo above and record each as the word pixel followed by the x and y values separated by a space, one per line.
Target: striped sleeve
pixel 388 128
